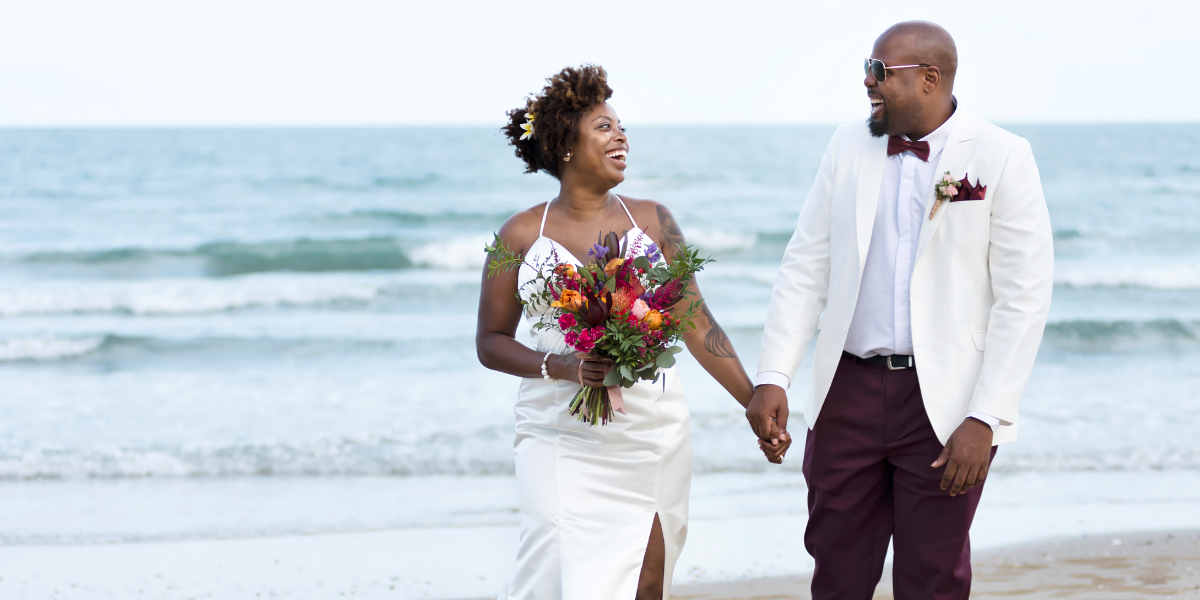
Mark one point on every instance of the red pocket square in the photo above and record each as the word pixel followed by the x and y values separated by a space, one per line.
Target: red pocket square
pixel 966 191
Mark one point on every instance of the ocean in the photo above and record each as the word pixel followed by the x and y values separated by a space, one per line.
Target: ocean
pixel 212 333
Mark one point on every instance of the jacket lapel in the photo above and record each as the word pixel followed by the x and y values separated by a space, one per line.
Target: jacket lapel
pixel 866 197
pixel 954 158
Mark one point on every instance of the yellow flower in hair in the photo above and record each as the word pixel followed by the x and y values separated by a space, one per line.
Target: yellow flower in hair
pixel 527 126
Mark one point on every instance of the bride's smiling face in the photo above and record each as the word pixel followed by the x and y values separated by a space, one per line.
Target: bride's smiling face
pixel 600 148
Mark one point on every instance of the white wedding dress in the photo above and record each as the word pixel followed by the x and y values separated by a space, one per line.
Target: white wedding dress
pixel 589 494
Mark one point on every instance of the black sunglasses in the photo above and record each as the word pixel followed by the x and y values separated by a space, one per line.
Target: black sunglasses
pixel 876 68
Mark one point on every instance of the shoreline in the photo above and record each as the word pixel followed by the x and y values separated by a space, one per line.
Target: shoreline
pixel 1160 564
pixel 455 537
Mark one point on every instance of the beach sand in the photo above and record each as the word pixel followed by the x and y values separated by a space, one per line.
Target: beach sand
pixel 1139 565
pixel 381 565
pixel 1037 535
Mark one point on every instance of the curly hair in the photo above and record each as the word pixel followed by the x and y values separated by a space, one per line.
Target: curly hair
pixel 556 111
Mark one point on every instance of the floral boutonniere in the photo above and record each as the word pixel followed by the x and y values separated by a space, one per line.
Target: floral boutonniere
pixel 949 189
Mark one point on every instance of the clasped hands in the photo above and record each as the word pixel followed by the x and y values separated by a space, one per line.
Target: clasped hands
pixel 768 415
pixel 966 455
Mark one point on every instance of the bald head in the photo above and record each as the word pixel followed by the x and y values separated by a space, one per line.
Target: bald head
pixel 924 43
pixel 905 99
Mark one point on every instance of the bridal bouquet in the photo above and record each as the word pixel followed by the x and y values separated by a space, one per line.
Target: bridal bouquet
pixel 618 310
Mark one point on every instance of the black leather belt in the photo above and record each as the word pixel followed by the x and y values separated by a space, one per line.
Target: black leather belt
pixel 893 362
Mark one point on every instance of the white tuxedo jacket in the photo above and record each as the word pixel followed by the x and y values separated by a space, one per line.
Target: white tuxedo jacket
pixel 980 288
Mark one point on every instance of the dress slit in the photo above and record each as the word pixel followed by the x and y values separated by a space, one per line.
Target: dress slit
pixel 649 542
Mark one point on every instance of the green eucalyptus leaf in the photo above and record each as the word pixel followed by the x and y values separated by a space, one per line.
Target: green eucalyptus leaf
pixel 612 378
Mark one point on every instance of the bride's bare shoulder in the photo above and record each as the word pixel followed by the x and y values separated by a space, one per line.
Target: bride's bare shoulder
pixel 520 230
pixel 654 218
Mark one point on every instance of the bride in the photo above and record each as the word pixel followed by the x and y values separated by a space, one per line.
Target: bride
pixel 603 508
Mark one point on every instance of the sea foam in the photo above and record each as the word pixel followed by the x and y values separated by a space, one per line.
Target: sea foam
pixel 194 296
pixel 1155 275
pixel 47 348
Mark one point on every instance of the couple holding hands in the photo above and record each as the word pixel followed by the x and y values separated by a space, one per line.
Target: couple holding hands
pixel 922 261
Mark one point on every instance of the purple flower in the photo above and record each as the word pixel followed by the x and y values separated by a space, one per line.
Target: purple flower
pixel 652 253
pixel 597 252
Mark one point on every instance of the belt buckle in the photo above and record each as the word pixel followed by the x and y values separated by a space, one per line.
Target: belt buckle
pixel 891 368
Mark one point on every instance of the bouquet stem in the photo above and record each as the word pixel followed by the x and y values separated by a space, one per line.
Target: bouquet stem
pixel 592 406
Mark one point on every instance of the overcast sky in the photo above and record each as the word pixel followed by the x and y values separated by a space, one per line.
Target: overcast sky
pixel 430 62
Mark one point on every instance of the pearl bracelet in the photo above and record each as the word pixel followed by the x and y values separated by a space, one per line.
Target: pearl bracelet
pixel 545 372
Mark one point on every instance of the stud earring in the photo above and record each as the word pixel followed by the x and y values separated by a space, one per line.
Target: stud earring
pixel 567 158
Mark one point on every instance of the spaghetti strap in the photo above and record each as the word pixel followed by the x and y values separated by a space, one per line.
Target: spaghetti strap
pixel 627 213
pixel 543 226
pixel 545 211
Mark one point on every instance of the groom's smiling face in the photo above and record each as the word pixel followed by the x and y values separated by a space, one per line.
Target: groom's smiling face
pixel 917 100
pixel 897 101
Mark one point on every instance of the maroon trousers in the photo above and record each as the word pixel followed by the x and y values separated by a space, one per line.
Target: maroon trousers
pixel 866 462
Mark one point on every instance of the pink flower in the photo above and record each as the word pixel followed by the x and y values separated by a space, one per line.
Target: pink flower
pixel 566 321
pixel 639 308
pixel 584 340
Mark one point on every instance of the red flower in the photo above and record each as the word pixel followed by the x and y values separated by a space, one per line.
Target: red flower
pixel 666 296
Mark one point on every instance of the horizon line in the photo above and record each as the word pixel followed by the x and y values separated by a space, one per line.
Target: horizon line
pixel 478 125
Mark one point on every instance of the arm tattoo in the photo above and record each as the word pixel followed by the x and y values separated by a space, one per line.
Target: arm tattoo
pixel 672 236
pixel 715 341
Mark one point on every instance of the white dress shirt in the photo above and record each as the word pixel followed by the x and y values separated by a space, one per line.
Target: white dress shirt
pixel 881 324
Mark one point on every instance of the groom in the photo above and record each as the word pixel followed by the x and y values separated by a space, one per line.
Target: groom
pixel 925 250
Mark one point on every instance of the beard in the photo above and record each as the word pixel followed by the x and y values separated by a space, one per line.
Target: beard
pixel 878 127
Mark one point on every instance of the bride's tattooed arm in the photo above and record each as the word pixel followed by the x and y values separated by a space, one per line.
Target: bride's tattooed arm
pixel 672 236
pixel 715 341
pixel 707 342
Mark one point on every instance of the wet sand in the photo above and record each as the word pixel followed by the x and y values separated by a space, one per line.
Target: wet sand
pixel 1137 565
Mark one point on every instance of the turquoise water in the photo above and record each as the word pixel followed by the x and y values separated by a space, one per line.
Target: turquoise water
pixel 178 305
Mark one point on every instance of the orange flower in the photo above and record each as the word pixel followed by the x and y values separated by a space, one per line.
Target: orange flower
pixel 570 300
pixel 613 265
pixel 623 300
pixel 653 320
pixel 567 271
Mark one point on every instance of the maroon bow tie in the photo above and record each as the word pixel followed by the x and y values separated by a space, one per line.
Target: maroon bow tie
pixel 897 144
